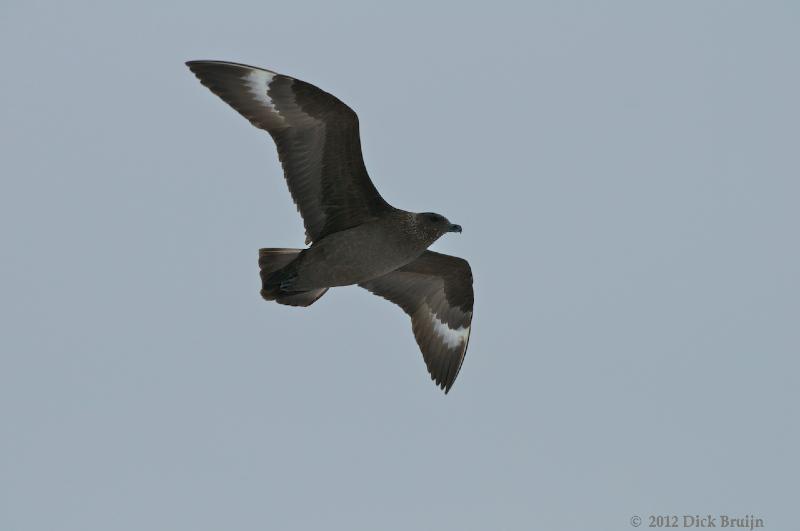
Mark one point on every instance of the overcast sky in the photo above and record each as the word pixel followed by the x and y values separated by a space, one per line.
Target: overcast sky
pixel 627 176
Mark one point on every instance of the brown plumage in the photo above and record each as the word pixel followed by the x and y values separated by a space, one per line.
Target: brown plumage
pixel 356 236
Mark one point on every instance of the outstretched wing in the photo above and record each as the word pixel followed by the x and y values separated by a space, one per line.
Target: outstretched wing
pixel 436 291
pixel 317 139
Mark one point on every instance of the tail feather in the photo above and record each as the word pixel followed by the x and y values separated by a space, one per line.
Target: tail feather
pixel 301 298
pixel 276 277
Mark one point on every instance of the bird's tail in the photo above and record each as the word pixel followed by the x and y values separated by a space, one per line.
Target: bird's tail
pixel 276 276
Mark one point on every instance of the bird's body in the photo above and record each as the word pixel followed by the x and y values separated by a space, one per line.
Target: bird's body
pixel 342 258
pixel 356 236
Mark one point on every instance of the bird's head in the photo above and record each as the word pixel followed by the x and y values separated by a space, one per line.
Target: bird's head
pixel 435 225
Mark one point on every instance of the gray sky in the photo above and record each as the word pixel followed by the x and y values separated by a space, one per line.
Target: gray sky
pixel 626 174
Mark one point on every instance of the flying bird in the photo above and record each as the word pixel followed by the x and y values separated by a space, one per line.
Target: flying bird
pixel 356 237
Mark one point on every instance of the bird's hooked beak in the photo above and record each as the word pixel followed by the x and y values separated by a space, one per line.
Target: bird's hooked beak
pixel 454 228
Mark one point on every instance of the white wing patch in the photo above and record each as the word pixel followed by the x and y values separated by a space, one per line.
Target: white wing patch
pixel 258 82
pixel 451 337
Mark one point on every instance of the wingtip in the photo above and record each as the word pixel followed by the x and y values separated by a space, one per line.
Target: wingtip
pixel 213 63
pixel 194 63
pixel 199 63
pixel 443 384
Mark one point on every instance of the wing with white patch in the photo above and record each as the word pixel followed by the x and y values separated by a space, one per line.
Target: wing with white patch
pixel 436 291
pixel 317 138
